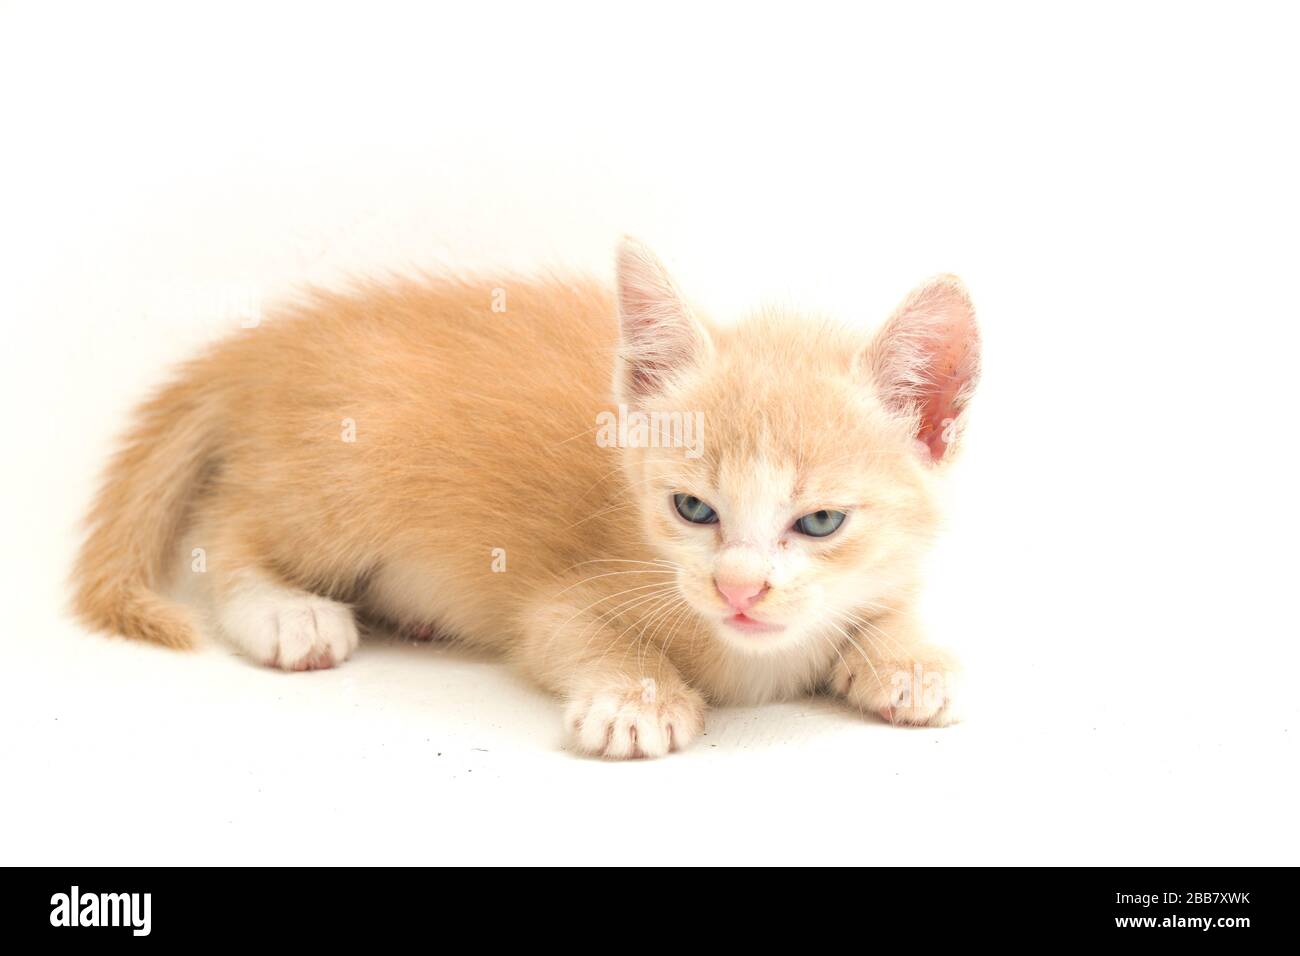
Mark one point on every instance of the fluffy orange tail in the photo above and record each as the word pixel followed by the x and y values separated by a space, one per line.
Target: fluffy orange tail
pixel 133 525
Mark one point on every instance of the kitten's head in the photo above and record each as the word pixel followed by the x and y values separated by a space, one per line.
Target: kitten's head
pixel 796 488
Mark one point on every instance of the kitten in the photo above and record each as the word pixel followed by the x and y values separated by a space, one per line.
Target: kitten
pixel 639 509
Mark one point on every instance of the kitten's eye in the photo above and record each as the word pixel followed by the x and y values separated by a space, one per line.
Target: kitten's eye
pixel 819 524
pixel 693 509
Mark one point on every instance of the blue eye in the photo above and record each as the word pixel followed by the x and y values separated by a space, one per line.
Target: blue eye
pixel 819 524
pixel 693 509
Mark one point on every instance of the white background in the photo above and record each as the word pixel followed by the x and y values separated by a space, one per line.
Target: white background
pixel 1116 183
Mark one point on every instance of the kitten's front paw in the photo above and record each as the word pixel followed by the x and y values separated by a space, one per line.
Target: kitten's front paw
pixel 921 690
pixel 635 719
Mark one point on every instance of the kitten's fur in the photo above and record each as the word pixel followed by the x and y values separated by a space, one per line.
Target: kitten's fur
pixel 476 430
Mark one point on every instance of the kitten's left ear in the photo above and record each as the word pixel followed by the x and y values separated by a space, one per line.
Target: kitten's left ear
pixel 926 361
pixel 659 338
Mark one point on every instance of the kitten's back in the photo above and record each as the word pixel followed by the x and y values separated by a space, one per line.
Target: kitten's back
pixel 391 427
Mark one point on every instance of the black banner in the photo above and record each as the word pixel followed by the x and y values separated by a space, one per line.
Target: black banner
pixel 141 907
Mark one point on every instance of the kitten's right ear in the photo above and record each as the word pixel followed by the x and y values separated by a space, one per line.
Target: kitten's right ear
pixel 926 362
pixel 658 338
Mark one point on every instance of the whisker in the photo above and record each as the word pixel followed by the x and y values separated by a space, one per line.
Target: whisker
pixel 610 574
pixel 864 654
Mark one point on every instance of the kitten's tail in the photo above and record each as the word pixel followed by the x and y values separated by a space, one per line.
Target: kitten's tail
pixel 133 525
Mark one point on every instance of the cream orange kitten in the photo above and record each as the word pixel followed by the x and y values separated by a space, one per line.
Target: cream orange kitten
pixel 643 511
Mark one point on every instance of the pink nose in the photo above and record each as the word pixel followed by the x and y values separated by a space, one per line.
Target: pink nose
pixel 744 595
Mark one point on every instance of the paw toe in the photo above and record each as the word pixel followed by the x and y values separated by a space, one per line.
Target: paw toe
pixel 315 636
pixel 628 724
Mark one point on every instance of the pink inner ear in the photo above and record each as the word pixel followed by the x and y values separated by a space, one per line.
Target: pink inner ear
pixel 939 397
pixel 926 359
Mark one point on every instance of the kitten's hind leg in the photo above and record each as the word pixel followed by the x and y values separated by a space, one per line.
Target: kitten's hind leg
pixel 623 697
pixel 286 627
pixel 271 621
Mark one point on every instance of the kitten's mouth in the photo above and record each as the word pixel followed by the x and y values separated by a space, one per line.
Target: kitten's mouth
pixel 743 622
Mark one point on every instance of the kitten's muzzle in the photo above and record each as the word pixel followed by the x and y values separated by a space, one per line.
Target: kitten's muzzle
pixel 741 595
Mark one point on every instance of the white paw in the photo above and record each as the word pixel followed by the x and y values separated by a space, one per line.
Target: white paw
pixel 635 719
pixel 290 629
pixel 923 691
